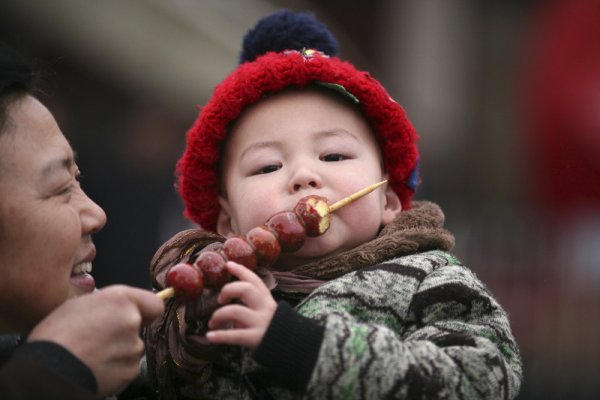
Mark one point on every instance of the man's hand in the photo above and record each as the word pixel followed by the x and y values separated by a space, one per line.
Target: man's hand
pixel 102 329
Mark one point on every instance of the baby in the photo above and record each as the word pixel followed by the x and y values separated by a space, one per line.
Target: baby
pixel 374 308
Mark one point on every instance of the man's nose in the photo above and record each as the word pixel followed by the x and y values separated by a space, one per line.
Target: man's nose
pixel 93 217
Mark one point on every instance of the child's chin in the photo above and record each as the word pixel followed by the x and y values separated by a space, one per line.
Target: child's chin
pixel 311 251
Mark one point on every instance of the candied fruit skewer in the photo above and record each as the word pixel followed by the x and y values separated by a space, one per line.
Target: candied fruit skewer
pixel 310 217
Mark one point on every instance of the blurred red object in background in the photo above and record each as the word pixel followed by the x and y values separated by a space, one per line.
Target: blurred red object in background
pixel 562 108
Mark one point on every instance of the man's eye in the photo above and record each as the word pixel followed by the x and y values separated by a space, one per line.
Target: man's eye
pixel 333 157
pixel 68 189
pixel 74 184
pixel 65 191
pixel 268 169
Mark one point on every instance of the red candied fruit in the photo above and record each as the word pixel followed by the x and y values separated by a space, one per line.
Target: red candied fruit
pixel 186 280
pixel 289 229
pixel 237 249
pixel 314 213
pixel 265 244
pixel 212 265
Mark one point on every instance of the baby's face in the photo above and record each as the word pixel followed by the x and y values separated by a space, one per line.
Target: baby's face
pixel 299 143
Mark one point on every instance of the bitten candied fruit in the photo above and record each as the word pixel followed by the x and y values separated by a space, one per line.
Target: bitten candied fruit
pixel 314 213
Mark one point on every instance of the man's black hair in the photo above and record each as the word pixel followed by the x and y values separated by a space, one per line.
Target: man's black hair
pixel 17 78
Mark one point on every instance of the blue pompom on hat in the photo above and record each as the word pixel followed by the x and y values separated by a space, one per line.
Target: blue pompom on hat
pixel 285 30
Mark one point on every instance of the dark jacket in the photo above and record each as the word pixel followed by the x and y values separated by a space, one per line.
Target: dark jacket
pixel 46 370
pixel 42 370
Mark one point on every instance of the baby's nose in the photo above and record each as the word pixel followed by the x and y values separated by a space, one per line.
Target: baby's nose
pixel 299 186
pixel 305 179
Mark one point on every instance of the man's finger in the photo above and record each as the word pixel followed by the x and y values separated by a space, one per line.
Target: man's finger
pixel 148 304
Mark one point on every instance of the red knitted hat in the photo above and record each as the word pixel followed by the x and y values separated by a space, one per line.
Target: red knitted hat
pixel 197 169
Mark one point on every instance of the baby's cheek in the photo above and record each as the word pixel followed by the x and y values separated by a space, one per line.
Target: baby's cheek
pixel 364 220
pixel 255 214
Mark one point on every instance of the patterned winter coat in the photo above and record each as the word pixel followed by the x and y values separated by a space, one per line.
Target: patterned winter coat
pixel 398 317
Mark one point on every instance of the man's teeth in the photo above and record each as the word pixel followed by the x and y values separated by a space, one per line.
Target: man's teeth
pixel 83 268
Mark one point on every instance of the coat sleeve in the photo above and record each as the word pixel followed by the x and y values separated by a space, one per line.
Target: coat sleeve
pixel 45 370
pixel 415 328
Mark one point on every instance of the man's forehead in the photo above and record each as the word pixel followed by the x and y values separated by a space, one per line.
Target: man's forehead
pixel 57 164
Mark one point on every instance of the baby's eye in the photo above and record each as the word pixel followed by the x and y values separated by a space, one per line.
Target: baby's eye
pixel 333 157
pixel 267 169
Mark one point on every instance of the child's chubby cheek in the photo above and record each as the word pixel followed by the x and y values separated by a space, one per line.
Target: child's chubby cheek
pixel 256 214
pixel 359 219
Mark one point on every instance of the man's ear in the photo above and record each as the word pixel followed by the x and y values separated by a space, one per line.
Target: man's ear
pixel 391 207
pixel 224 226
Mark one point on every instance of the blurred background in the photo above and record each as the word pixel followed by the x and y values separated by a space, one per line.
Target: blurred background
pixel 504 94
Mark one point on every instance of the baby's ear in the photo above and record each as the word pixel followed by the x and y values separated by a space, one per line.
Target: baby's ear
pixel 224 226
pixel 392 206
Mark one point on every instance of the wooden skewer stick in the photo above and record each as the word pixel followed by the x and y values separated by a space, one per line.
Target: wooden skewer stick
pixel 347 200
pixel 166 293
